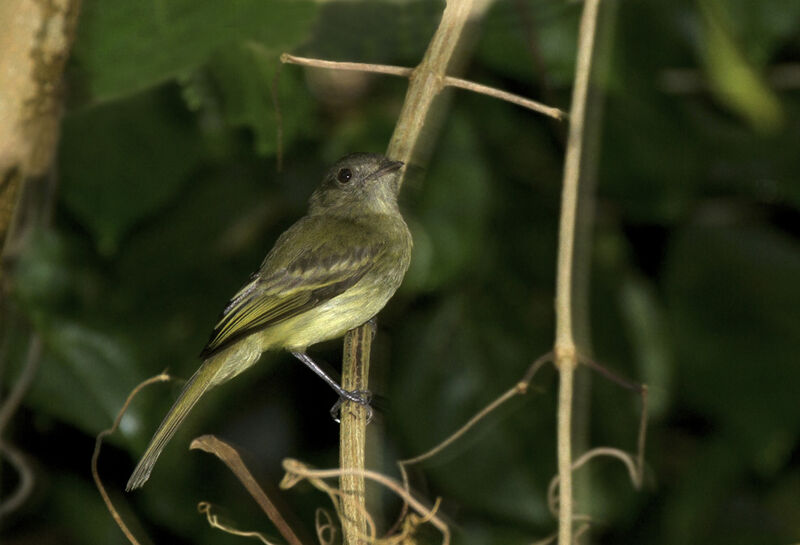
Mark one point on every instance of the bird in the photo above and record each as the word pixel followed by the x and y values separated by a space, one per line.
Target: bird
pixel 332 270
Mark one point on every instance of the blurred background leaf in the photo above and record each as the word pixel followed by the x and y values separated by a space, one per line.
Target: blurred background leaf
pixel 169 198
pixel 125 47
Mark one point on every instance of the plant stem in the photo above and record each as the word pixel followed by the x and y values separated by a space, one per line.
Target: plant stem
pixel 565 350
pixel 353 438
pixel 427 80
pixel 425 83
pixel 566 368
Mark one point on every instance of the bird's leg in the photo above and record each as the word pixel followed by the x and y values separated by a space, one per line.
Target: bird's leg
pixel 361 397
pixel 338 405
pixel 373 322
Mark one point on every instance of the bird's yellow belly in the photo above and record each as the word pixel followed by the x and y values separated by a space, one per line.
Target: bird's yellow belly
pixel 330 320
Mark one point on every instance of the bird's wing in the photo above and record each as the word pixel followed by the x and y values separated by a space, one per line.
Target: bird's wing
pixel 294 279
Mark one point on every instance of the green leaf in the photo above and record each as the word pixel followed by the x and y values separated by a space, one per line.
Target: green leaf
pixel 85 375
pixel 242 85
pixel 733 79
pixel 644 321
pixel 454 205
pixel 123 47
pixel 761 28
pixel 123 160
pixel 733 308
pixel 543 37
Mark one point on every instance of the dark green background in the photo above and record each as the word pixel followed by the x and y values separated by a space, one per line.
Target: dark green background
pixel 169 197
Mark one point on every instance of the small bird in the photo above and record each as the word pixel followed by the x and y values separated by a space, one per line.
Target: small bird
pixel 331 271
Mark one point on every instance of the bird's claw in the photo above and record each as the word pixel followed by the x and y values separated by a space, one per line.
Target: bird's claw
pixel 362 397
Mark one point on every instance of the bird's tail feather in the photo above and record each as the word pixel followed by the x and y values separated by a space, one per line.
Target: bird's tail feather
pixel 201 381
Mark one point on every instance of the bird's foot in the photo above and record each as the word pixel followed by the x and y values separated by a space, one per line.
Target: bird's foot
pixel 362 397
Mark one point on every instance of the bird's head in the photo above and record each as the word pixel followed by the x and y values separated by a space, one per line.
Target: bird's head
pixel 359 183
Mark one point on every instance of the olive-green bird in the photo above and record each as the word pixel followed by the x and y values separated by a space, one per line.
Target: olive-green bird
pixel 331 271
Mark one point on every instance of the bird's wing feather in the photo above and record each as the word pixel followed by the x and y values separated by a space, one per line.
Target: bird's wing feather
pixel 293 280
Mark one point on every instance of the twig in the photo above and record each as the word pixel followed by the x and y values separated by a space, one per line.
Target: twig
pixel 326 529
pixel 15 457
pixel 519 388
pixel 24 381
pixel 635 472
pixel 643 391
pixel 612 376
pixel 640 443
pixel 17 460
pixel 98 443
pixel 549 111
pixel 565 350
pixel 213 520
pixel 635 466
pixel 350 66
pixel 231 458
pixel 447 81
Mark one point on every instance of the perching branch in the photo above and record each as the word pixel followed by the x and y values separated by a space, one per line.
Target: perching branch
pixel 426 83
pixel 565 349
pixel 353 437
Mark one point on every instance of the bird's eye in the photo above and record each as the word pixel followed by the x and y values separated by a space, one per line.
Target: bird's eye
pixel 344 175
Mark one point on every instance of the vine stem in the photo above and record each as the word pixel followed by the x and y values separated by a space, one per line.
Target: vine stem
pixel 565 349
pixel 426 82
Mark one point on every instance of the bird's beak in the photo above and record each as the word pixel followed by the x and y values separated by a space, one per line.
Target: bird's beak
pixel 386 166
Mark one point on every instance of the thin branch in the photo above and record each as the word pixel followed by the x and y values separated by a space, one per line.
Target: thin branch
pixel 326 529
pixel 640 443
pixel 17 460
pixel 565 350
pixel 519 388
pixel 549 111
pixel 643 391
pixel 448 81
pixel 635 466
pixel 612 376
pixel 350 66
pixel 10 405
pixel 635 473
pixel 163 377
pixel 213 520
pixel 546 541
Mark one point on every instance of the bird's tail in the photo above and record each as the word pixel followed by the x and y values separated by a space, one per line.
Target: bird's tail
pixel 203 379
